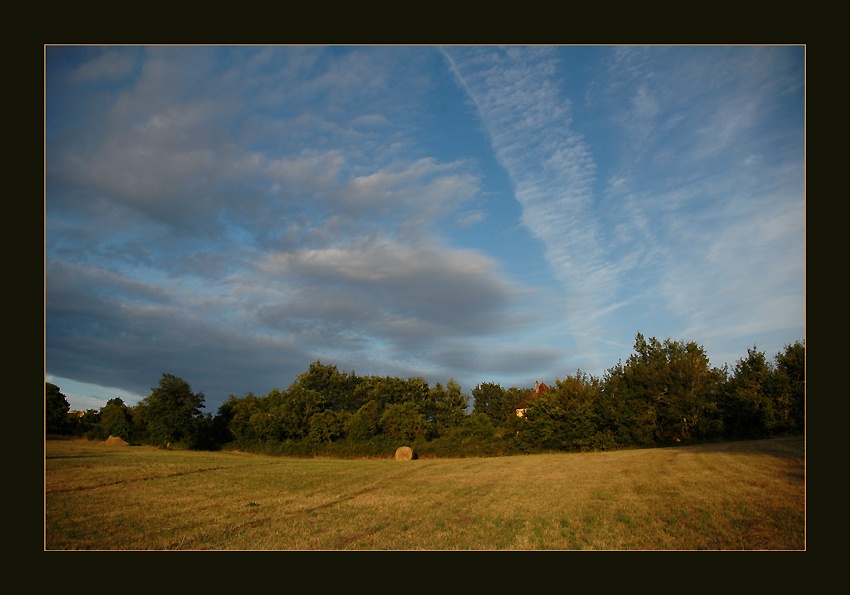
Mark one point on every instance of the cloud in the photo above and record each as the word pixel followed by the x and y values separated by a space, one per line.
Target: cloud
pixel 688 129
pixel 227 258
pixel 230 215
pixel 551 167
pixel 109 65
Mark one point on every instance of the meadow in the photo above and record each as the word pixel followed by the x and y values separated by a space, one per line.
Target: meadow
pixel 748 495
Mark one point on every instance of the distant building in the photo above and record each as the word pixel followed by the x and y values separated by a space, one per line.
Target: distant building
pixel 539 389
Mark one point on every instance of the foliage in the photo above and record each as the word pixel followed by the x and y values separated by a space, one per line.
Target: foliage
pixel 489 399
pixel 564 418
pixel 56 408
pixel 665 393
pixel 790 388
pixel 766 399
pixel 365 423
pixel 404 422
pixel 116 419
pixel 88 424
pixel 328 426
pixel 171 413
pixel 331 389
pixel 446 407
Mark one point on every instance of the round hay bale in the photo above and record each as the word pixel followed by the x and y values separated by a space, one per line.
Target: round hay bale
pixel 116 441
pixel 405 453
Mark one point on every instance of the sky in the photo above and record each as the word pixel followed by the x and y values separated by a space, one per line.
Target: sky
pixel 231 214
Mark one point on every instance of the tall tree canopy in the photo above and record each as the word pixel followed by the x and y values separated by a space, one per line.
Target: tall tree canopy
pixel 56 409
pixel 666 392
pixel 171 412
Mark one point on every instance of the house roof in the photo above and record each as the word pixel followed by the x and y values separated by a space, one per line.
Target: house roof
pixel 539 389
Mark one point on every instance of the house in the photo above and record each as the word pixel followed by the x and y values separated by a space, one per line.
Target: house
pixel 539 389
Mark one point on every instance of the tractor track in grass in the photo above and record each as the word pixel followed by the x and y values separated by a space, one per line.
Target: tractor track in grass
pixel 49 491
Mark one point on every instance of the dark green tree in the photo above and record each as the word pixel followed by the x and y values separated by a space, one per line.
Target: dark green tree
pixel 625 416
pixel 747 403
pixel 665 393
pixel 278 416
pixel 56 408
pixel 488 399
pixel 87 424
pixel 328 426
pixel 116 419
pixel 365 423
pixel 171 413
pixel 403 421
pixel 790 388
pixel 445 407
pixel 478 427
pixel 233 420
pixel 337 390
pixel 294 407
pixel 564 418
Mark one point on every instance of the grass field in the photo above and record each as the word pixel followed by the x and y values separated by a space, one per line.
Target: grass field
pixel 731 496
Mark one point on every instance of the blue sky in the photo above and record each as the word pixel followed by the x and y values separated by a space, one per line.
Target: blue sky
pixel 489 214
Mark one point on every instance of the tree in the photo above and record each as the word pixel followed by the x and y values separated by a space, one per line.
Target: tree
pixel 564 418
pixel 233 420
pixel 87 424
pixel 790 388
pixel 666 392
pixel 293 409
pixel 365 423
pixel 328 425
pixel 116 419
pixel 336 390
pixel 404 422
pixel 446 407
pixel 488 399
pixel 747 407
pixel 172 412
pixel 56 408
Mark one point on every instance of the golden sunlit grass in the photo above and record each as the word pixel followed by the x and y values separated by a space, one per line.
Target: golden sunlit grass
pixel 742 496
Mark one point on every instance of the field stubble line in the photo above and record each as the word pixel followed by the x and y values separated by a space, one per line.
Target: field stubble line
pixel 150 478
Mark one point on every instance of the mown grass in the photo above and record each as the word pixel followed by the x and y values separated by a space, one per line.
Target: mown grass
pixel 731 496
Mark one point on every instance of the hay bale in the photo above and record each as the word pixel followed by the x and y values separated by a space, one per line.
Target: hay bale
pixel 405 453
pixel 116 441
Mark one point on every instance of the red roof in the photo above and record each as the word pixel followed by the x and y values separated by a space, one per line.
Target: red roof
pixel 539 388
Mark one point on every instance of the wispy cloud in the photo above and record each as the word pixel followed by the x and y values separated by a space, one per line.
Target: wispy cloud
pixel 685 132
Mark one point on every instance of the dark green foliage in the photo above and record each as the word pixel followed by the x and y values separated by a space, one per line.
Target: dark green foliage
pixel 790 388
pixel 328 426
pixel 564 418
pixel 477 427
pixel 171 414
pixel 761 399
pixel 56 410
pixel 666 393
pixel 489 399
pixel 748 409
pixel 88 424
pixel 446 407
pixel 331 389
pixel 116 419
pixel 365 423
pixel 404 422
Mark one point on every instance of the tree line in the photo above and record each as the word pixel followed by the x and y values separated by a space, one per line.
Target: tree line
pixel 666 393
